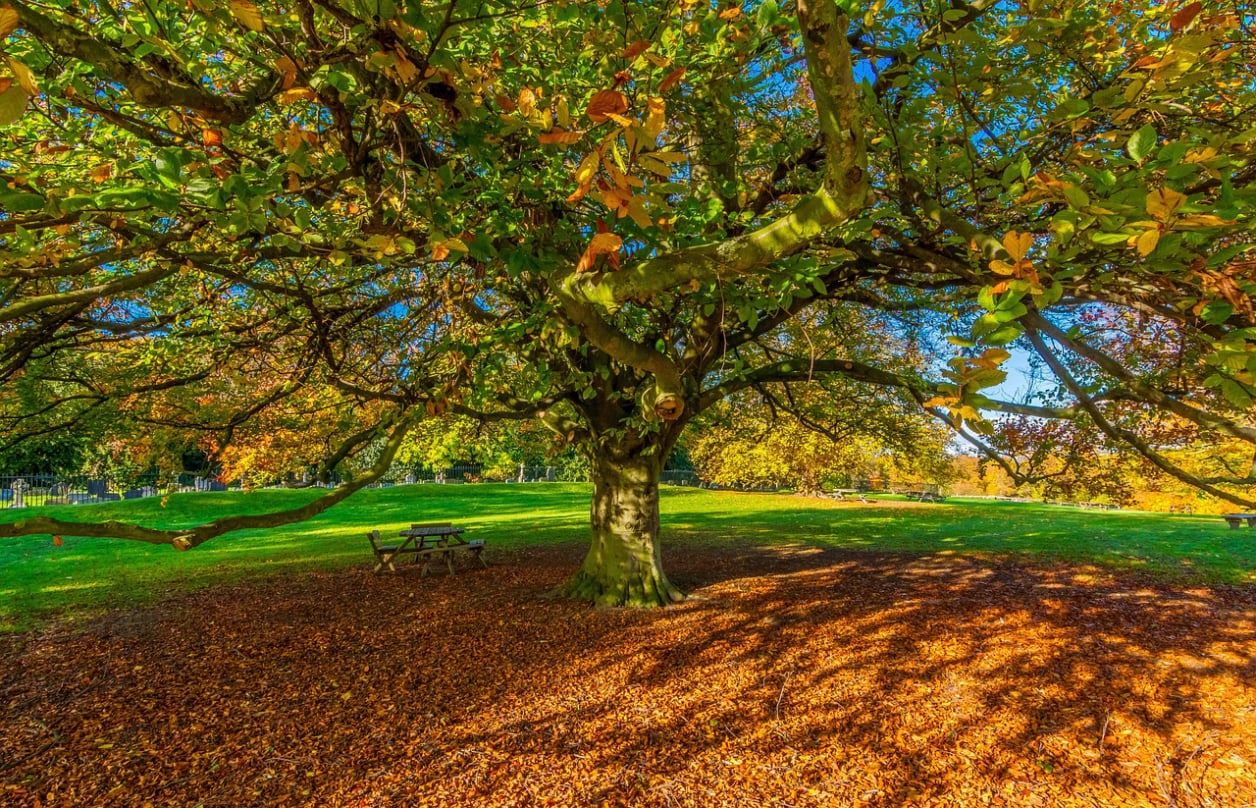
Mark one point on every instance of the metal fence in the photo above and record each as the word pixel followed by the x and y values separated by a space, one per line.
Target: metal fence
pixel 30 490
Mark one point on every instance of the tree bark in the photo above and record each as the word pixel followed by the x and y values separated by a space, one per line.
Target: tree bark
pixel 624 566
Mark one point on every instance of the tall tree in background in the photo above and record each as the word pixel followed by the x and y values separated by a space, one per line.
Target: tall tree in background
pixel 610 216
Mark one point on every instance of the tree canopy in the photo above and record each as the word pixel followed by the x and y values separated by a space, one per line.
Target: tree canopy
pixel 334 218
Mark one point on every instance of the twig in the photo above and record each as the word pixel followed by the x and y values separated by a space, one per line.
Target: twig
pixel 780 696
pixel 1103 733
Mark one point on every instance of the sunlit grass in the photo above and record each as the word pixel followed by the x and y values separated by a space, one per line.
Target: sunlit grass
pixel 38 579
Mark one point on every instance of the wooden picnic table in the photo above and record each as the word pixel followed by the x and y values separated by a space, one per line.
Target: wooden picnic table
pixel 1235 520
pixel 426 542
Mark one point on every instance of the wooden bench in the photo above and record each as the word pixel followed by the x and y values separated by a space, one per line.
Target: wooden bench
pixel 1235 520
pixel 385 553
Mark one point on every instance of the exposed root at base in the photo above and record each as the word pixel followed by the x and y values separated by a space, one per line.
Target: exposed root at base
pixel 636 593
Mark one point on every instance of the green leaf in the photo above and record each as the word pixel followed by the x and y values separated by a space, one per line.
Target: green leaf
pixel 21 202
pixel 1141 143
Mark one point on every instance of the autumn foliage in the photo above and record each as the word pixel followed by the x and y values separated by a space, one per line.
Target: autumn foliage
pixel 801 676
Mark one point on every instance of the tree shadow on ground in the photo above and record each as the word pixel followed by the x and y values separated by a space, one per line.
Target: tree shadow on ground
pixel 795 676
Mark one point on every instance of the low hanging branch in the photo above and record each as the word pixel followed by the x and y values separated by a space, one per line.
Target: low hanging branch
pixel 187 538
pixel 1125 435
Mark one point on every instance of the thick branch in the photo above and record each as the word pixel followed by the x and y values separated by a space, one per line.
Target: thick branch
pixel 146 87
pixel 188 538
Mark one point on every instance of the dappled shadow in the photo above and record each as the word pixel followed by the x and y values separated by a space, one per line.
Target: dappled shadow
pixel 796 675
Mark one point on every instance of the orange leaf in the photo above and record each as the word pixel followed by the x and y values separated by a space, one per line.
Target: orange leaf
pixel 670 79
pixel 289 70
pixel 5 84
pixel 527 101
pixel 101 172
pixel 1184 17
pixel 211 137
pixel 560 136
pixel 602 244
pixel 635 49
pixel 439 252
pixel 604 102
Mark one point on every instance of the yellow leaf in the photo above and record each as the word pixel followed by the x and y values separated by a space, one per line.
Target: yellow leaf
pixel 1002 267
pixel 247 15
pixel 564 113
pixel 8 20
pixel 1147 242
pixel 12 103
pixel 620 119
pixel 666 156
pixel 1017 244
pixel 297 94
pixel 636 210
pixel 587 168
pixel 654 166
pixel 24 76
pixel 406 71
pixel 456 244
pixel 1203 220
pixel 101 172
pixel 996 355
pixel 1164 202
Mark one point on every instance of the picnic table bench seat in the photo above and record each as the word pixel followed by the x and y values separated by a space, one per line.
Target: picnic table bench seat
pixel 426 542
pixel 1235 520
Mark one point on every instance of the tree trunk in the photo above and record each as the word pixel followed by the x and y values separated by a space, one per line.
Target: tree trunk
pixel 624 567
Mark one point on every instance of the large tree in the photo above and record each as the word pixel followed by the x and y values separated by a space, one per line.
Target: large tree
pixel 610 216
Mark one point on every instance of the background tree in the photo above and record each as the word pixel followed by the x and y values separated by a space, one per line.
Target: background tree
pixel 610 216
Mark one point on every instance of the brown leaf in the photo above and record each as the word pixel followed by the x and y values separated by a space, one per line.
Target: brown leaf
pixel 670 79
pixel 635 49
pixel 604 102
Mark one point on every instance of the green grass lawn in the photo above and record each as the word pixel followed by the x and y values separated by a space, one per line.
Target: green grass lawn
pixel 38 579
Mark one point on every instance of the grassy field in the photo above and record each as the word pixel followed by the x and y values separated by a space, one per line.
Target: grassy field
pixel 38 580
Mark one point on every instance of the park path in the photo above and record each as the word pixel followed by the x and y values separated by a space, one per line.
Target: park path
pixel 795 677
